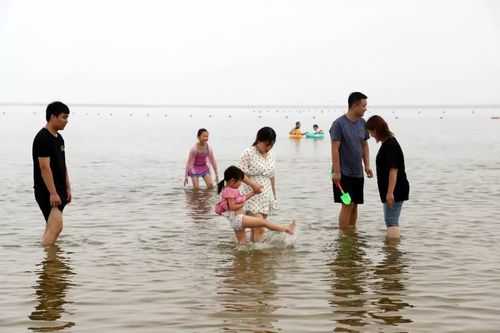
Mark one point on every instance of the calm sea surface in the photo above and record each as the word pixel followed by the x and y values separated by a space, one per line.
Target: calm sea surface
pixel 141 253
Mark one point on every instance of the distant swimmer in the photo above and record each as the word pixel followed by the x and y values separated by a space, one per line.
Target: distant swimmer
pixel 296 130
pixel 317 130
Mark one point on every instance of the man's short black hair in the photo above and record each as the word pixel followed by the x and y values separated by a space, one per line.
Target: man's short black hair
pixel 355 97
pixel 56 108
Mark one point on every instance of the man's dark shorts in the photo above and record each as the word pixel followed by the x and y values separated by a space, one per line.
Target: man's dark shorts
pixel 42 197
pixel 352 185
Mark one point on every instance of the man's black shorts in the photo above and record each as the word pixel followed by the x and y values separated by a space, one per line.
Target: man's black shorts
pixel 353 185
pixel 42 197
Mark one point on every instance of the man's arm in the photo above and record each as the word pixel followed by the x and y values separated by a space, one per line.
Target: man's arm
pixel 68 188
pixel 48 179
pixel 335 146
pixel 366 159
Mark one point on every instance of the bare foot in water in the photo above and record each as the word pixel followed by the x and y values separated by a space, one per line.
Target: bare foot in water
pixel 291 228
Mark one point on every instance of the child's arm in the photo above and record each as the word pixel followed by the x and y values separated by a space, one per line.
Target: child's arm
pixel 190 161
pixel 211 158
pixel 249 195
pixel 232 205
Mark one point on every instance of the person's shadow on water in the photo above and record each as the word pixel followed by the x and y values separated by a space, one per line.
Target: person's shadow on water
pixel 349 270
pixel 246 290
pixel 54 279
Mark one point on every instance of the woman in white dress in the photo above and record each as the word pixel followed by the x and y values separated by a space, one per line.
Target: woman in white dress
pixel 257 162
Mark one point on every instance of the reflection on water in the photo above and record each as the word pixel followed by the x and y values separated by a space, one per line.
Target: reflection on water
pixel 246 291
pixel 390 275
pixel 349 279
pixel 54 278
pixel 200 203
pixel 364 297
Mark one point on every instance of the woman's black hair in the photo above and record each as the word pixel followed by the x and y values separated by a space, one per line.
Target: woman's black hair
pixel 200 132
pixel 230 173
pixel 267 135
pixel 378 124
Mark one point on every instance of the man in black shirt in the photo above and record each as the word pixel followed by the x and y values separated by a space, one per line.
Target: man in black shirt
pixel 51 181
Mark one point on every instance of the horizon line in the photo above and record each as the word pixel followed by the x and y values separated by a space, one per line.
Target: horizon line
pixel 248 106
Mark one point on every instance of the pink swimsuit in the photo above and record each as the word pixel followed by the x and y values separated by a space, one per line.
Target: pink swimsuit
pixel 198 162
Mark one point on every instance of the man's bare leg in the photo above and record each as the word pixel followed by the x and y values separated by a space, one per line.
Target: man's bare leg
pixel 345 216
pixel 53 227
pixel 354 215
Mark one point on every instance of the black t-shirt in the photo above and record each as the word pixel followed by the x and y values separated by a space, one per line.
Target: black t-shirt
pixel 390 156
pixel 47 145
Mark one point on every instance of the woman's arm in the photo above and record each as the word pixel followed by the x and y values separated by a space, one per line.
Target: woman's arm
pixel 393 176
pixel 273 186
pixel 256 187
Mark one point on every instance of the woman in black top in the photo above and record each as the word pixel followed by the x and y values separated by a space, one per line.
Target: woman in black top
pixel 393 185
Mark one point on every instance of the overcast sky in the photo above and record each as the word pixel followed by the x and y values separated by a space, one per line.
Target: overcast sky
pixel 250 52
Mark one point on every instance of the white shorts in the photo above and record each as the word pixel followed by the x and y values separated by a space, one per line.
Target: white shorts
pixel 236 220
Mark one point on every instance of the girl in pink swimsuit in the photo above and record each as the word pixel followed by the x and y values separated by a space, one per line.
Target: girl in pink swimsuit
pixel 199 160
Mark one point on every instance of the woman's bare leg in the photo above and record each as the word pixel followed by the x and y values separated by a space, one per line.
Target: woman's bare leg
pixel 258 233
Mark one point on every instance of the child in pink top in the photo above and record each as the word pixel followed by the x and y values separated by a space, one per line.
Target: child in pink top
pixel 231 205
pixel 200 156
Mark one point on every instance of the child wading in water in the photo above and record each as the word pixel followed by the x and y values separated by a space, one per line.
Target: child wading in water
pixel 231 205
pixel 199 159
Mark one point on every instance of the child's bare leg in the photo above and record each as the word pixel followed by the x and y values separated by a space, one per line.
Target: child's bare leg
pixel 196 183
pixel 208 181
pixel 255 222
pixel 240 236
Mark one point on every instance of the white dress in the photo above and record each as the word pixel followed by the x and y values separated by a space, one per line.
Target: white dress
pixel 261 170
